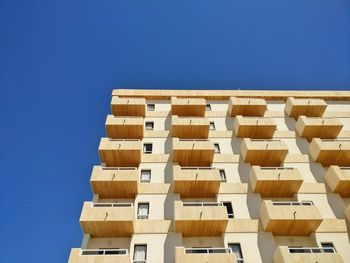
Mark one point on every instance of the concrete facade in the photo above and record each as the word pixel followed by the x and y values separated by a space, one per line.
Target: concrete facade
pixel 143 205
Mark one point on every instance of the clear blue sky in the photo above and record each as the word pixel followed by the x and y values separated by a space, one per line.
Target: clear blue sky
pixel 60 60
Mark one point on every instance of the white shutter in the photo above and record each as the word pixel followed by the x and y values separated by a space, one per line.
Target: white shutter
pixel 143 211
pixel 145 176
pixel 140 253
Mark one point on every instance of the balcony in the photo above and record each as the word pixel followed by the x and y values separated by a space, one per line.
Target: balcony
pixel 193 152
pixel 196 181
pixel 187 106
pixel 107 219
pixel 289 218
pixel 120 153
pixel 323 128
pixel 284 254
pixel 200 219
pixel 78 255
pixel 338 180
pixel 246 107
pixel 254 127
pixel 275 181
pixel 307 107
pixel 264 152
pixel 330 152
pixel 189 127
pixel 114 182
pixel 124 127
pixel 128 106
pixel 200 255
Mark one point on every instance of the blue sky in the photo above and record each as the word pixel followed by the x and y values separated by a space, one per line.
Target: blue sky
pixel 60 60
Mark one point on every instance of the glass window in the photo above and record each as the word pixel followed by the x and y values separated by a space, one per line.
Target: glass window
pixel 222 176
pixel 151 107
pixel 229 209
pixel 236 249
pixel 212 126
pixel 328 247
pixel 142 211
pixel 216 148
pixel 208 107
pixel 140 254
pixel 147 148
pixel 149 125
pixel 198 250
pixel 145 176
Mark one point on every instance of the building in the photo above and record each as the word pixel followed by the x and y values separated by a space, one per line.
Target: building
pixel 221 176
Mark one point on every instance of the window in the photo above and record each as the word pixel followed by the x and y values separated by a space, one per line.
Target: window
pixel 147 148
pixel 151 107
pixel 140 254
pixel 142 211
pixel 145 176
pixel 298 249
pixel 208 107
pixel 222 176
pixel 212 126
pixel 229 209
pixel 216 148
pixel 104 251
pixel 149 126
pixel 198 250
pixel 236 249
pixel 328 247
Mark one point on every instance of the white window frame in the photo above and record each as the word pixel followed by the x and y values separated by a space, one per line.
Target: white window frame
pixel 149 128
pixel 223 180
pixel 239 260
pixel 212 126
pixel 137 260
pixel 144 147
pixel 142 216
pixel 143 171
pixel 151 107
pixel 217 149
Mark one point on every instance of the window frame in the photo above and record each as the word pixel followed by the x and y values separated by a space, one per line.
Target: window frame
pixel 225 178
pixel 239 260
pixel 143 217
pixel 331 246
pixel 151 107
pixel 217 149
pixel 212 126
pixel 144 145
pixel 152 124
pixel 150 175
pixel 146 252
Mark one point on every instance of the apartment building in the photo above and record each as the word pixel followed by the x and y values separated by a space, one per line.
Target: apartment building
pixel 196 176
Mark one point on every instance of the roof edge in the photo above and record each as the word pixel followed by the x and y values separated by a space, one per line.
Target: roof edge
pixel 225 94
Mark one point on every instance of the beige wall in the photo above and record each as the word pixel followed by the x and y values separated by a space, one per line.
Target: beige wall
pixel 319 200
pixel 160 123
pixel 345 122
pixel 275 105
pixel 235 172
pixel 160 105
pixel 339 105
pixel 160 145
pixel 340 241
pixel 159 171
